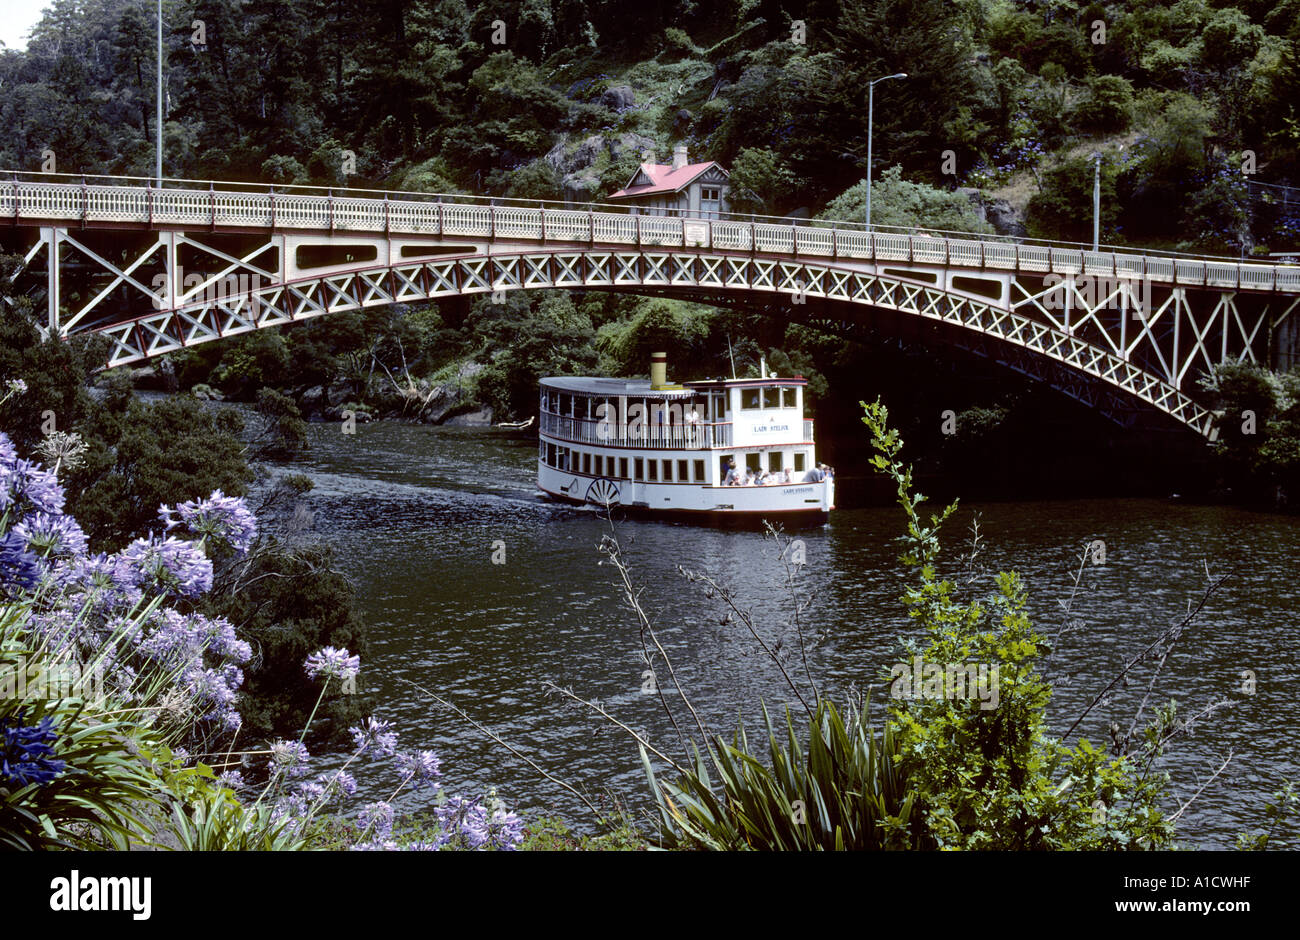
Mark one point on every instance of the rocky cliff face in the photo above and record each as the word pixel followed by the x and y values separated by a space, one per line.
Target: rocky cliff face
pixel 580 167
pixel 1005 218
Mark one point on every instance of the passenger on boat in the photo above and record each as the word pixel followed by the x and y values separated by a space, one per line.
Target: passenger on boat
pixel 789 476
pixel 733 476
pixel 692 425
pixel 749 477
pixel 815 475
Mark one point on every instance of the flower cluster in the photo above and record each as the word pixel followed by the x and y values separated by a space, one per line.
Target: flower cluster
pixel 91 608
pixel 27 751
pixel 220 517
pixel 333 664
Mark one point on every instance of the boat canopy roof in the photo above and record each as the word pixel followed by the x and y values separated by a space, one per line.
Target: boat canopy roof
pixel 582 385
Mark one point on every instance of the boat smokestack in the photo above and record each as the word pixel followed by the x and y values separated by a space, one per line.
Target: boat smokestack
pixel 658 370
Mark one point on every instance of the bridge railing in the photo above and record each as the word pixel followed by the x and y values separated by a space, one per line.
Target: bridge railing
pixel 39 198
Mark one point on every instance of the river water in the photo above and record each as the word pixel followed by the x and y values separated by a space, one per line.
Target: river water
pixel 417 515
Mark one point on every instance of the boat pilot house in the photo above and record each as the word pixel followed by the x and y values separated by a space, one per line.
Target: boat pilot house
pixel 713 446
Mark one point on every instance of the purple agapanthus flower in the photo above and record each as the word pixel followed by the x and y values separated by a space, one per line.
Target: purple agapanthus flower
pixel 419 768
pixel 335 785
pixel 27 751
pixel 376 818
pixel 219 516
pixel 333 663
pixel 168 565
pixel 23 480
pixel 51 534
pixel 290 757
pixel 377 735
pixel 19 568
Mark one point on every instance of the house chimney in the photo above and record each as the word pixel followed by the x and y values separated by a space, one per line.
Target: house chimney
pixel 679 156
pixel 658 370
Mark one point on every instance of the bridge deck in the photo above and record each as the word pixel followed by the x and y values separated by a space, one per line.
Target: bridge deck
pixel 177 206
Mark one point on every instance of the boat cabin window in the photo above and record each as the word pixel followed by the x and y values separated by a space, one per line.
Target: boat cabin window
pixel 749 399
pixel 682 475
pixel 754 462
pixel 622 467
pixel 699 471
pixel 719 406
pixel 653 467
pixel 774 461
pixel 640 470
pixel 668 471
pixel 789 398
pixel 798 463
pixel 771 398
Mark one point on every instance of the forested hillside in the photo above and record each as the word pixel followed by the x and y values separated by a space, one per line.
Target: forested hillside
pixel 1191 105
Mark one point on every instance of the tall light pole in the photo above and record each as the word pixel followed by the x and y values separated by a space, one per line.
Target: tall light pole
pixel 1096 200
pixel 1096 205
pixel 158 128
pixel 871 109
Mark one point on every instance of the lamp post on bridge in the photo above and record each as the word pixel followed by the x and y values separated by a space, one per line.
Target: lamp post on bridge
pixel 1096 201
pixel 158 128
pixel 871 108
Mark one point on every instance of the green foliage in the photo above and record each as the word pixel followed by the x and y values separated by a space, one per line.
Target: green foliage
pixel 1108 107
pixel 1063 209
pixel 760 182
pixel 991 777
pixel 283 433
pixel 899 202
pixel 143 455
pixel 1258 449
pixel 843 790
pixel 553 834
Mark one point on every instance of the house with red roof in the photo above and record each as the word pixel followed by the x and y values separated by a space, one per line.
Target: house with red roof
pixel 698 190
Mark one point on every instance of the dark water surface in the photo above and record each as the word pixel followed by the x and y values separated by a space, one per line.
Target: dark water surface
pixel 414 513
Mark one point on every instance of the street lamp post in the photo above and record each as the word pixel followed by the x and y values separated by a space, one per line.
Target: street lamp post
pixel 871 108
pixel 158 128
pixel 1096 205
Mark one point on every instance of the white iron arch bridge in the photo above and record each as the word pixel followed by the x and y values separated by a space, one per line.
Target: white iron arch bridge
pixel 158 269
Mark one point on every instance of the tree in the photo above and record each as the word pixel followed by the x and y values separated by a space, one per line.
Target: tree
pixel 145 455
pixel 901 203
pixel 760 182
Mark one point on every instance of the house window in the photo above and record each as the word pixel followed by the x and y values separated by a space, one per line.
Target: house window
pixel 710 202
